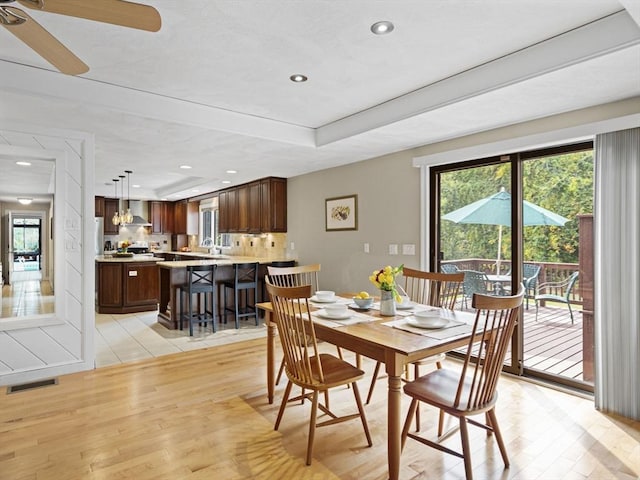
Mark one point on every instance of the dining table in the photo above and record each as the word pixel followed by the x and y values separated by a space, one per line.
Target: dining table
pixel 392 340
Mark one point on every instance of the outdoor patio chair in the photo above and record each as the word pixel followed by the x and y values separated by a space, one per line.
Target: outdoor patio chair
pixel 556 292
pixel 449 268
pixel 530 274
pixel 474 282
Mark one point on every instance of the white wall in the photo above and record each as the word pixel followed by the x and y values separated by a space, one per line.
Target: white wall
pixel 388 190
pixel 42 347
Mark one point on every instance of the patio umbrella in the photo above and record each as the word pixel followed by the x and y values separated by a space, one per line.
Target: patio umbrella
pixel 496 210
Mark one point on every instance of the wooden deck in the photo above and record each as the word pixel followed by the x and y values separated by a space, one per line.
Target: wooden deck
pixel 552 344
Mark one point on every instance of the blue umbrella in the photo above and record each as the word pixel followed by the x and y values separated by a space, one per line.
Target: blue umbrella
pixel 496 210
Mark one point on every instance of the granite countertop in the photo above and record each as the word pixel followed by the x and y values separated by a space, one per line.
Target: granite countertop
pixel 134 258
pixel 215 259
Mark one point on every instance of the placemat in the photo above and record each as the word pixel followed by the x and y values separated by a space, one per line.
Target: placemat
pixel 453 329
pixel 356 317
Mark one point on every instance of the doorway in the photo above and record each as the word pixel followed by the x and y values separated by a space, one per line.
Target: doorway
pixel 525 218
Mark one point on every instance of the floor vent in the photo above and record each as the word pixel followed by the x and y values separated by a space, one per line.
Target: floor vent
pixel 32 385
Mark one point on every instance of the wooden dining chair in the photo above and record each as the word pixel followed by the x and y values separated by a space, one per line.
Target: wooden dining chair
pixel 314 372
pixel 427 288
pixel 294 277
pixel 472 391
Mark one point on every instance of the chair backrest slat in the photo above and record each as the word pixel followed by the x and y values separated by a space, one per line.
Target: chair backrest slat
pixel 495 321
pixel 432 288
pixel 295 276
pixel 296 331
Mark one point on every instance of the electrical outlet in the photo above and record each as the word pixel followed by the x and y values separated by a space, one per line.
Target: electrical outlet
pixel 393 249
pixel 293 246
pixel 366 248
pixel 273 244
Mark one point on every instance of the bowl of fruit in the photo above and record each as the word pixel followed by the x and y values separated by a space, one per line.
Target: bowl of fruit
pixel 363 300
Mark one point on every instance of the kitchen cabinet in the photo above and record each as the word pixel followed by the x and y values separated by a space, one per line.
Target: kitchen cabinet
pixel 273 212
pixel 127 286
pixel 99 206
pixel 161 215
pixel 185 218
pixel 111 206
pixel 228 220
pixel 254 214
pixel 256 207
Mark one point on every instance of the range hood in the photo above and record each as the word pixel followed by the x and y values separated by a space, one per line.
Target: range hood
pixel 137 210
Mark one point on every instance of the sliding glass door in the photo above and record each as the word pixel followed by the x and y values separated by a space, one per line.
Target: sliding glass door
pixel 525 218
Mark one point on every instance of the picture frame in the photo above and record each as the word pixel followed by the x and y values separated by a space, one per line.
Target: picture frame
pixel 341 213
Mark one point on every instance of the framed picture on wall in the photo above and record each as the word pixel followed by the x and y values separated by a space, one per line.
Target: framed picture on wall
pixel 341 213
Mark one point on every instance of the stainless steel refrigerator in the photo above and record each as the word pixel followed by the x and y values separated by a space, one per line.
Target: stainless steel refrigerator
pixel 99 235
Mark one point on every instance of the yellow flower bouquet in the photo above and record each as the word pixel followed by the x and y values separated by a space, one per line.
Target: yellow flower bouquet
pixel 385 279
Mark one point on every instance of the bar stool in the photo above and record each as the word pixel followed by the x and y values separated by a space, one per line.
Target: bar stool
pixel 245 278
pixel 201 281
pixel 277 264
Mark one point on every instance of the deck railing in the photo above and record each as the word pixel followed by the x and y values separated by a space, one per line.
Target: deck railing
pixel 549 272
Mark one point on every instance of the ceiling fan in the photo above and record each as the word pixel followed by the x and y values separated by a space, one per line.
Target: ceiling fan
pixel 116 12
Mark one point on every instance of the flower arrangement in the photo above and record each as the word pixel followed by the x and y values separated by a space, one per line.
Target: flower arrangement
pixel 385 279
pixel 124 245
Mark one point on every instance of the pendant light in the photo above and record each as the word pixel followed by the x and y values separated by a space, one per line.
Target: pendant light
pixel 122 222
pixel 116 217
pixel 128 217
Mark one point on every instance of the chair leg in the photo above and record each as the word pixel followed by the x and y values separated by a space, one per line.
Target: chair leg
pixel 496 430
pixel 190 315
pixel 408 420
pixel 570 312
pixel 466 449
pixel 312 426
pixel 285 399
pixel 373 382
pixel 280 371
pixel 416 375
pixel 356 394
pixel 236 294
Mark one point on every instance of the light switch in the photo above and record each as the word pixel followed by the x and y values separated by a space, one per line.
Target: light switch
pixel 293 246
pixel 366 248
pixel 408 249
pixel 393 249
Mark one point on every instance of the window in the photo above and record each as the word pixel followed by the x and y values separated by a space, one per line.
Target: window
pixel 210 235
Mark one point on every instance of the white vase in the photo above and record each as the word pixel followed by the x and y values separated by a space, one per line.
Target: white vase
pixel 387 303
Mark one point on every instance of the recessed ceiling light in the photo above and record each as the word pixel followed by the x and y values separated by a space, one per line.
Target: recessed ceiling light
pixel 195 190
pixel 382 28
pixel 298 78
pixel 232 171
pixel 226 181
pixel 185 167
pixel 24 164
pixel 25 201
pixel 135 186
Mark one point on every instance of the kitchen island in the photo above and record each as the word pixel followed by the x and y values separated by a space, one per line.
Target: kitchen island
pixel 174 273
pixel 126 284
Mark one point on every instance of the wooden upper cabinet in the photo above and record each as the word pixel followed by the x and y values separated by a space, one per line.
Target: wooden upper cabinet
pixel 256 207
pixel 161 215
pixel 185 219
pixel 99 206
pixel 273 192
pixel 110 208
pixel 254 215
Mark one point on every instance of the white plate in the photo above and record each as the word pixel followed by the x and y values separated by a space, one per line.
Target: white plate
pixel 333 316
pixel 315 299
pixel 405 306
pixel 431 323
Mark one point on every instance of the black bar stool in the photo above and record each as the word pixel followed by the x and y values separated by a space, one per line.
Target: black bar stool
pixel 278 264
pixel 201 280
pixel 245 278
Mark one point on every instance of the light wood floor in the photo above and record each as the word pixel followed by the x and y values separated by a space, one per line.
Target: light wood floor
pixel 27 295
pixel 203 414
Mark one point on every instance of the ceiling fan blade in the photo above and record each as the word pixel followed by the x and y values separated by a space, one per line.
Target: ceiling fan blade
pixel 43 43
pixel 116 12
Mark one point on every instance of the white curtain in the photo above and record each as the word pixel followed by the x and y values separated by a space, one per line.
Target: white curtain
pixel 617 273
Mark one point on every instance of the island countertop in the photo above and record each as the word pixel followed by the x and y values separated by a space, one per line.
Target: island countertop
pixel 217 260
pixel 134 258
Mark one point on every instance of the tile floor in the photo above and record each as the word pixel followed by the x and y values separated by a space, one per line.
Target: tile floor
pixel 136 336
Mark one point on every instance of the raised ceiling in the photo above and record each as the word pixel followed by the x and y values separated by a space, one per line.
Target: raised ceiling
pixel 211 89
